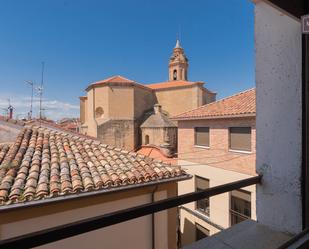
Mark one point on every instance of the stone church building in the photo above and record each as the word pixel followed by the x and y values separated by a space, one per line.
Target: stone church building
pixel 128 114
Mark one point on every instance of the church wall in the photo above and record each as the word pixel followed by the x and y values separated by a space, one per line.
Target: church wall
pixel 90 122
pixel 157 136
pixel 101 101
pixel 177 100
pixel 121 102
pixel 143 100
pixel 82 109
pixel 118 133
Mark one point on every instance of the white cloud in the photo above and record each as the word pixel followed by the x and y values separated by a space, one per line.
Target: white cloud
pixel 52 109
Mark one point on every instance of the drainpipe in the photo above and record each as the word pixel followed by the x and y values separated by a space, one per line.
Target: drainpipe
pixel 153 218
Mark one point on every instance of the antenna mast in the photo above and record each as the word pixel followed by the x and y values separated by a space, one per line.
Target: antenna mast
pixel 31 100
pixel 41 90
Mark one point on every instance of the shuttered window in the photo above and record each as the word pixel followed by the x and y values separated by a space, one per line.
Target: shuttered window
pixel 202 136
pixel 240 138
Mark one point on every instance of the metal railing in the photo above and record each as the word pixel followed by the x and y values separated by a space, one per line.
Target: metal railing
pixel 86 225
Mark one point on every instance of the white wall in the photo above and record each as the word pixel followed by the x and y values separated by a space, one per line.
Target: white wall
pixel 278 82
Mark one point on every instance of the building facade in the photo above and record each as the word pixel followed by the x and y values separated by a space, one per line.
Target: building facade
pixel 216 145
pixel 113 109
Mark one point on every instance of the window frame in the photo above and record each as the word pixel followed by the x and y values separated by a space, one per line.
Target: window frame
pixel 195 138
pixel 233 212
pixel 235 149
pixel 206 211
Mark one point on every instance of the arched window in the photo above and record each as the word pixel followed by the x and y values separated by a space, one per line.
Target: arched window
pixel 175 75
pixel 146 139
pixel 99 112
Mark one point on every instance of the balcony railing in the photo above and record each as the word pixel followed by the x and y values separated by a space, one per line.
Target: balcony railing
pixel 53 234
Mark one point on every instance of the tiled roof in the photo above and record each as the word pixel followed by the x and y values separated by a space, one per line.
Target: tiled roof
pixel 156 153
pixel 170 84
pixel 240 104
pixel 44 163
pixel 116 80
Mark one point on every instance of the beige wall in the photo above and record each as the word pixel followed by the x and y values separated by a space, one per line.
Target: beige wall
pixel 179 100
pixel 136 233
pixel 144 100
pixel 218 153
pixel 219 204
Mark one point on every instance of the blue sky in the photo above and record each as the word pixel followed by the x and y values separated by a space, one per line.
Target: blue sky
pixel 85 41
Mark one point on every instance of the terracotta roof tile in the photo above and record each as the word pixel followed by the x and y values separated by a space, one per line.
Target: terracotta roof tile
pixel 170 84
pixel 44 163
pixel 240 104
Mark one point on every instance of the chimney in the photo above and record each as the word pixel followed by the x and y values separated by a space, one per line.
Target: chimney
pixel 157 108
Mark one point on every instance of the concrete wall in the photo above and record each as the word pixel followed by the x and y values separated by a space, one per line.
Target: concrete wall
pixel 218 153
pixel 135 233
pixel 278 83
pixel 219 204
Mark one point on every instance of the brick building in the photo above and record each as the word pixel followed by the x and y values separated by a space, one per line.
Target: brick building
pixel 217 145
pixel 113 109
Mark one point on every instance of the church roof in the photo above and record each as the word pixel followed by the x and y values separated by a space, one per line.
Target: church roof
pixel 158 120
pixel 239 105
pixel 172 84
pixel 118 79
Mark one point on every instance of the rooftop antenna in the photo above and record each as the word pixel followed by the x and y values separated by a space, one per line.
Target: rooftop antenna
pixel 31 100
pixel 41 90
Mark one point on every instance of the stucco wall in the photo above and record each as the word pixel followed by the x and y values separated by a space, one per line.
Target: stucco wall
pixel 178 100
pixel 157 136
pixel 219 204
pixel 121 102
pixel 143 100
pixel 218 153
pixel 135 233
pixel 278 82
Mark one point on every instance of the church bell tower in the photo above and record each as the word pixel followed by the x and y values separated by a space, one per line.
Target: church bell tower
pixel 178 65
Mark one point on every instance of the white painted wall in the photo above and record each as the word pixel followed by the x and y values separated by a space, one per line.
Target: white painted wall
pixel 278 82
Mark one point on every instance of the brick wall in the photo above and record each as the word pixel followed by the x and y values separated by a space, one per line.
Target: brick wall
pixel 218 153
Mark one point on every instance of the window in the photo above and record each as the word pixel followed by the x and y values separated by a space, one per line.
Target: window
pixel 240 138
pixel 99 112
pixel 202 136
pixel 175 75
pixel 203 204
pixel 146 139
pixel 240 206
pixel 200 232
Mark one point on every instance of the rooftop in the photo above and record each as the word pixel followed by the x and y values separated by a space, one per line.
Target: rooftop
pixel 239 105
pixel 171 84
pixel 44 163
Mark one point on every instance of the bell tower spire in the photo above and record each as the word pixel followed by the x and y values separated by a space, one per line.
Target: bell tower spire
pixel 178 64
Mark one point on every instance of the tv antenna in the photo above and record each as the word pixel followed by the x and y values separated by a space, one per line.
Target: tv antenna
pixel 31 100
pixel 40 89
